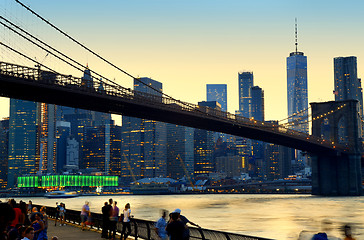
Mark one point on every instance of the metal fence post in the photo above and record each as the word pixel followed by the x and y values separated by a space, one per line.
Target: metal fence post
pixel 148 232
pixel 227 236
pixel 201 233
pixel 135 229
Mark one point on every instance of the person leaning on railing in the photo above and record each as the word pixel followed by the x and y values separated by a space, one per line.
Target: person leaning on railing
pixel 85 213
pixel 126 222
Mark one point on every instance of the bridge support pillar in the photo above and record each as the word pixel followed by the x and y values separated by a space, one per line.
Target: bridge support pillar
pixel 336 175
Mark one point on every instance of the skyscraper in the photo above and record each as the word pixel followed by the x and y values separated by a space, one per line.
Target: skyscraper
pixel 63 132
pixel 47 125
pixel 246 82
pixel 23 157
pixel 144 142
pixel 204 146
pixel 4 144
pixel 180 151
pixel 297 98
pixel 102 148
pixel 218 93
pixel 257 103
pixel 347 83
pixel 257 112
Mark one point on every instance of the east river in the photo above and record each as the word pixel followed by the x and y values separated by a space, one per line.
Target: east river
pixel 270 216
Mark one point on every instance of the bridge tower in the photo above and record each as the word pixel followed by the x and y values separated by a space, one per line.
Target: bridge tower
pixel 337 174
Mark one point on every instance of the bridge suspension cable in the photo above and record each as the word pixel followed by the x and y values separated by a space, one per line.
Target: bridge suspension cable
pixel 297 113
pixel 50 47
pixel 23 55
pixel 319 116
pixel 71 38
pixel 96 54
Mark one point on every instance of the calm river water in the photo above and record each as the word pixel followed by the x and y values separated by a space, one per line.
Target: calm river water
pixel 270 216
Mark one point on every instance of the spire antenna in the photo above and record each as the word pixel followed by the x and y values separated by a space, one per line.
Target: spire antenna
pixel 296 41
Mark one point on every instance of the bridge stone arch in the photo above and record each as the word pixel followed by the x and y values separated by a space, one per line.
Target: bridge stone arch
pixel 337 174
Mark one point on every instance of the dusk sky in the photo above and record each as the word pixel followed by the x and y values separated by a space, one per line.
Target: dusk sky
pixel 188 44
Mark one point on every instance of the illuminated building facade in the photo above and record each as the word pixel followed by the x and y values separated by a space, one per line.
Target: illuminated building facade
pixel 246 82
pixel 347 83
pixel 272 159
pixel 257 113
pixel 63 131
pixel 102 149
pixel 218 93
pixel 48 143
pixel 144 142
pixel 23 157
pixel 231 165
pixel 204 145
pixel 4 145
pixel 297 98
pixel 297 102
pixel 180 151
pixel 257 103
pixel 244 145
pixel 60 181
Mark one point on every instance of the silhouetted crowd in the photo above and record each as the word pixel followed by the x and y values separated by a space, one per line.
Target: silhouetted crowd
pixel 22 221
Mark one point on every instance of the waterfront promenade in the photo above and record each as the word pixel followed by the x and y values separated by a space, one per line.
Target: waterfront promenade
pixel 71 231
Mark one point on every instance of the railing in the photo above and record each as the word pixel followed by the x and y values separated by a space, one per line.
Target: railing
pixel 144 229
pixel 99 86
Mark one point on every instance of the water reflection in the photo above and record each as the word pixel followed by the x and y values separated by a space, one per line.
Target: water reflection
pixel 270 216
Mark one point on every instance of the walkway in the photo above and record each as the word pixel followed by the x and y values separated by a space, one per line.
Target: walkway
pixel 71 232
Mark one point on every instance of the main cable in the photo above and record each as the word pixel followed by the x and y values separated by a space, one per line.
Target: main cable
pixel 94 53
pixel 40 46
pixel 63 55
pixel 40 64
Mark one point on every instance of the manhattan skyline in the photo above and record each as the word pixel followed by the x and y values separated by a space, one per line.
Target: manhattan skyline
pixel 186 45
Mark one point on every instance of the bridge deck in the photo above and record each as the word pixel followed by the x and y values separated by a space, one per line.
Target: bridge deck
pixel 35 85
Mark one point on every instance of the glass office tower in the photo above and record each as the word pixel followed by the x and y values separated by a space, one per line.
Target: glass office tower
pixel 246 82
pixel 218 93
pixel 297 90
pixel 23 157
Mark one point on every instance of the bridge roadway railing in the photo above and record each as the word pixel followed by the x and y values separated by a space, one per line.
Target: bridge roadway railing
pixel 145 229
pixel 110 89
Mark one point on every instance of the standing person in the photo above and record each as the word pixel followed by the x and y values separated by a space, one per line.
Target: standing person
pixel 108 219
pixel 57 214
pixel 24 211
pixel 186 233
pixel 28 234
pixel 85 213
pixel 45 219
pixel 30 207
pixel 62 211
pixel 113 221
pixel 105 220
pixel 32 215
pixel 175 228
pixel 18 214
pixel 160 226
pixel 126 221
pixel 38 226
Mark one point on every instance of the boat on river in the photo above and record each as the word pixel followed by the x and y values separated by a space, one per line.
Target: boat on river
pixel 61 194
